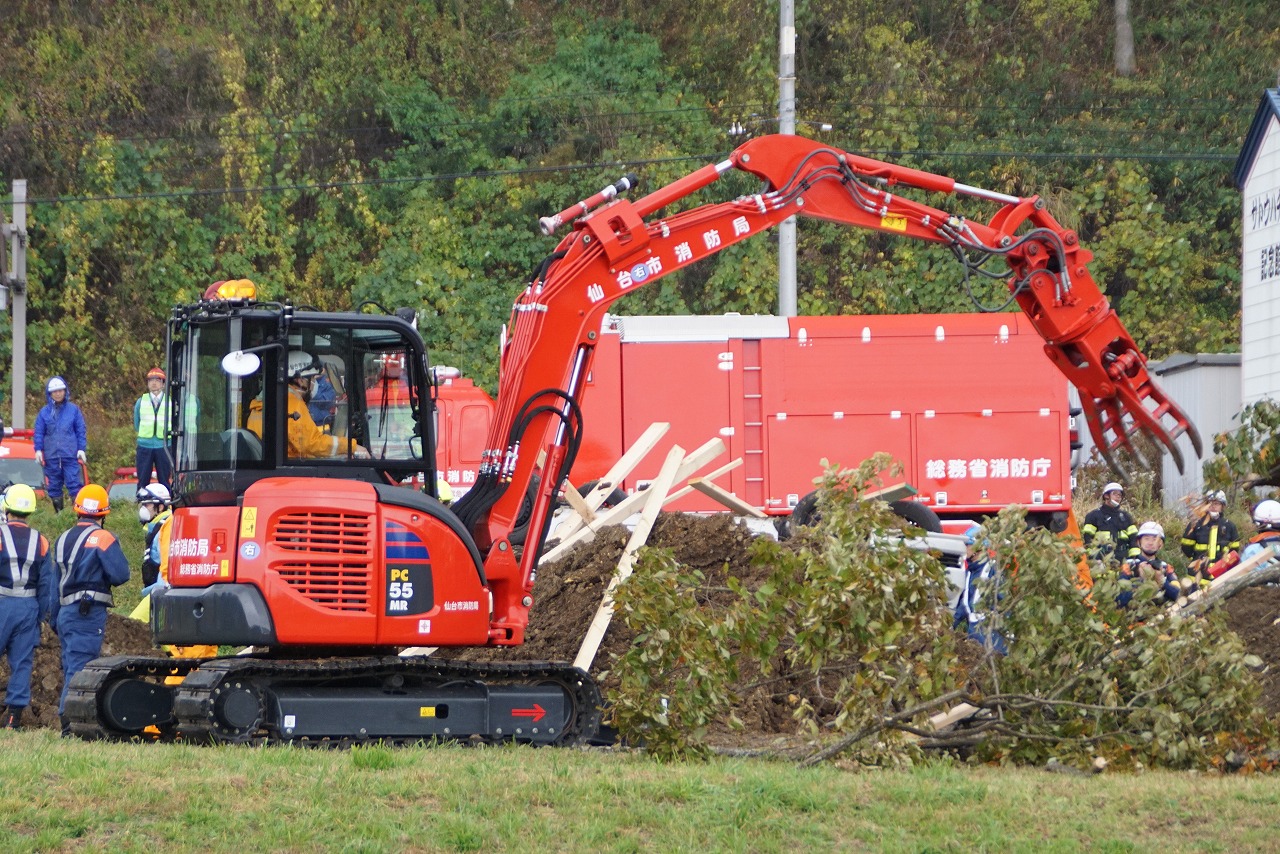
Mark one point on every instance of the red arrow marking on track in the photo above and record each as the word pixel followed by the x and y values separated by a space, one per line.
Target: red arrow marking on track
pixel 537 713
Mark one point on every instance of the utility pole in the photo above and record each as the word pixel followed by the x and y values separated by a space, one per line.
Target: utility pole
pixel 13 283
pixel 787 124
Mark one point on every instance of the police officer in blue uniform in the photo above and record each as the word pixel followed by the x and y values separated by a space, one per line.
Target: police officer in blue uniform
pixel 89 562
pixel 26 597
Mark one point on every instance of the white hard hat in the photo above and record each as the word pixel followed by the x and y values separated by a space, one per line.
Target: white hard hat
pixel 1151 529
pixel 302 364
pixel 1218 496
pixel 1112 487
pixel 155 493
pixel 1267 513
pixel 56 384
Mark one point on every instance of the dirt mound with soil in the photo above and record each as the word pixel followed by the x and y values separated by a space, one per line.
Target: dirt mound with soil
pixel 568 593
pixel 1253 615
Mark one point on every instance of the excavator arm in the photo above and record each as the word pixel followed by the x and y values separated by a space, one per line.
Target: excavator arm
pixel 623 246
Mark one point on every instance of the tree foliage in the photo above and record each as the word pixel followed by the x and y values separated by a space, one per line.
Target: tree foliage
pixel 851 626
pixel 359 151
pixel 849 621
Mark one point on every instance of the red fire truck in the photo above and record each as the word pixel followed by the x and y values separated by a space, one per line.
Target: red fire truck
pixel 463 413
pixel 968 403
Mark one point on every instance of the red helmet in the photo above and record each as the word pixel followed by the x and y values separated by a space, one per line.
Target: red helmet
pixel 155 374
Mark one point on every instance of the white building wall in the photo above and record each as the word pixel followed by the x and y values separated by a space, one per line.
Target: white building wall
pixel 1260 267
pixel 1210 395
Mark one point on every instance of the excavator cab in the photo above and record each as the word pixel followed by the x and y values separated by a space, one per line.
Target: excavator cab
pixel 237 421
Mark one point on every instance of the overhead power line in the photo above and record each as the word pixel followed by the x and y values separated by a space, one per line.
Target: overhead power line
pixel 625 166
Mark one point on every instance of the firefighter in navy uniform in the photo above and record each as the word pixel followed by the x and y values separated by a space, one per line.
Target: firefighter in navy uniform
pixel 1210 536
pixel 89 562
pixel 1147 568
pixel 26 597
pixel 1108 531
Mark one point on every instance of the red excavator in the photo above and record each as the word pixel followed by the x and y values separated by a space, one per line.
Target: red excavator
pixel 328 567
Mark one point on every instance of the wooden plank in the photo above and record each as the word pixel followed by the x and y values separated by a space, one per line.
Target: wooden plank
pixel 896 492
pixel 580 506
pixel 709 476
pixel 417 650
pixel 613 516
pixel 951 717
pixel 655 495
pixel 615 475
pixel 618 513
pixel 728 499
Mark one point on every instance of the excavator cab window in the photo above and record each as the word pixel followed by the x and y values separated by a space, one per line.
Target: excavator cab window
pixel 363 410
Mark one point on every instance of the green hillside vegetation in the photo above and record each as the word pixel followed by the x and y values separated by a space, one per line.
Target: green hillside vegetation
pixel 351 151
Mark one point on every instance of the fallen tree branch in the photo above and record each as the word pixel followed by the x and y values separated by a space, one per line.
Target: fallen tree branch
pixel 1217 595
pixel 884 723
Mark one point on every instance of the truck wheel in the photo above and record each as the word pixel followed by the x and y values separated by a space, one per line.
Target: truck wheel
pixel 917 514
pixel 611 500
pixel 806 513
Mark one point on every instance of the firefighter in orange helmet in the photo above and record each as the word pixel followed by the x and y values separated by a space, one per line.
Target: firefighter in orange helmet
pixel 88 562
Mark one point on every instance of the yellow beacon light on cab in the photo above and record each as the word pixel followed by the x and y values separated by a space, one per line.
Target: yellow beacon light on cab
pixel 232 289
pixel 237 289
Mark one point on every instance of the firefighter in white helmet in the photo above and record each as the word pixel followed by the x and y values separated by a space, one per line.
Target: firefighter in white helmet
pixel 306 440
pixel 1108 531
pixel 1266 516
pixel 1147 567
pixel 1210 536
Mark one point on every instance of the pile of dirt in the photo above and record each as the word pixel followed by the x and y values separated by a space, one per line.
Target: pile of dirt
pixel 1253 614
pixel 568 593
pixel 122 637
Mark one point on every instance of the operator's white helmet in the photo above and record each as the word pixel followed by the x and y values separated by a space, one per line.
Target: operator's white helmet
pixel 1112 487
pixel 302 364
pixel 1217 495
pixel 1151 529
pixel 1267 514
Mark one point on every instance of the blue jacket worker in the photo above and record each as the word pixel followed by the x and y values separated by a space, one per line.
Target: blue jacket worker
pixel 980 579
pixel 27 588
pixel 59 440
pixel 151 416
pixel 89 562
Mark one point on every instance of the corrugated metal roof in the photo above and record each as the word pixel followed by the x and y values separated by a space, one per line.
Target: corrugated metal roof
pixel 1183 361
pixel 1268 107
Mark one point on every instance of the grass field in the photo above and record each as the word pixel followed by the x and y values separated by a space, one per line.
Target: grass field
pixel 67 795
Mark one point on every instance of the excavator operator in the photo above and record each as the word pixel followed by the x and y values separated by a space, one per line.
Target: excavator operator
pixel 306 440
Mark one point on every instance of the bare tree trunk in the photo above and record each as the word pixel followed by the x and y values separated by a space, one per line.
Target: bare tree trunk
pixel 1125 66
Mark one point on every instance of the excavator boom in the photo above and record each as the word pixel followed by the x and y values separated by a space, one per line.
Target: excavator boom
pixel 627 244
